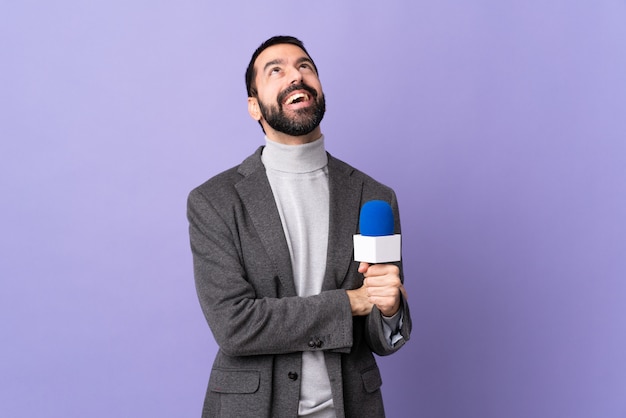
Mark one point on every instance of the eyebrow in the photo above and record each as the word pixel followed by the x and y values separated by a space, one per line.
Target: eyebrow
pixel 282 61
pixel 273 62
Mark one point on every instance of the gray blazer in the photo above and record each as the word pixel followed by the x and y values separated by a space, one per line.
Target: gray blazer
pixel 245 286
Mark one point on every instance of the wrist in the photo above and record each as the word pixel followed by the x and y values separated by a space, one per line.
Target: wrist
pixel 359 304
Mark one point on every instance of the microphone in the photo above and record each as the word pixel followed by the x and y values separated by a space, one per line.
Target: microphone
pixel 377 243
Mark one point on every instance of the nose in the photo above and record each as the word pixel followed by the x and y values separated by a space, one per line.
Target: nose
pixel 295 76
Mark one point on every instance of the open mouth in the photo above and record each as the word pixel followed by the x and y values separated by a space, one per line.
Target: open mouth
pixel 297 98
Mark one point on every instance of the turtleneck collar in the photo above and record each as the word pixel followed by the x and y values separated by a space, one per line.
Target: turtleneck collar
pixel 294 158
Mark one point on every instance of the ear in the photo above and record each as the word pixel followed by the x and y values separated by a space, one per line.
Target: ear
pixel 253 108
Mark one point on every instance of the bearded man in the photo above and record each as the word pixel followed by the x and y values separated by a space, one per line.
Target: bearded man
pixel 297 320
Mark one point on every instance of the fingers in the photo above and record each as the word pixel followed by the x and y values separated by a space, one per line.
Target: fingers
pixel 380 288
pixel 382 276
pixel 369 270
pixel 387 306
pixel 387 300
pixel 383 286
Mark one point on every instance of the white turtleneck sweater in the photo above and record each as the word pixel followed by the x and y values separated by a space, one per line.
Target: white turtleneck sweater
pixel 298 175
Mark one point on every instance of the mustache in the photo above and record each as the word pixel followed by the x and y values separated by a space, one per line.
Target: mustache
pixel 301 86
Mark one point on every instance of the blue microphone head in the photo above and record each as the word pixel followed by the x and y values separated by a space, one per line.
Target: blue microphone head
pixel 376 219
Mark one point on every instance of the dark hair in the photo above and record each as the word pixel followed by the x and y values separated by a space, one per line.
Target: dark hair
pixel 275 40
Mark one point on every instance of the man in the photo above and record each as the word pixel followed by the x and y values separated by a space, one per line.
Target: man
pixel 296 319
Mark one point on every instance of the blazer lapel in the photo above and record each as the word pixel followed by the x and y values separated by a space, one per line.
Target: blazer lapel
pixel 345 205
pixel 256 194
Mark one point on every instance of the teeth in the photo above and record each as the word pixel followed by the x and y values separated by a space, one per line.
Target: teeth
pixel 295 97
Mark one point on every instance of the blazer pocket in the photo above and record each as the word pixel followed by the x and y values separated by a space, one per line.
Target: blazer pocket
pixel 371 379
pixel 234 381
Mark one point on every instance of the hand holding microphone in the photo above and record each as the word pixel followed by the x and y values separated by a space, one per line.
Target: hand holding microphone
pixel 383 286
pixel 376 244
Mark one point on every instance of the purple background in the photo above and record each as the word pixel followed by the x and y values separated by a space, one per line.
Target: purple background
pixel 501 125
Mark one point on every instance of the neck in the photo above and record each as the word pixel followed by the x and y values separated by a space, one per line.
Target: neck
pixel 282 138
pixel 304 158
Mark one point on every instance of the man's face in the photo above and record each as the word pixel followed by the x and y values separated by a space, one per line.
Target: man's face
pixel 290 96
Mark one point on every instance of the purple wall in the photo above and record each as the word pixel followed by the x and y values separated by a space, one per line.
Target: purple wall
pixel 501 125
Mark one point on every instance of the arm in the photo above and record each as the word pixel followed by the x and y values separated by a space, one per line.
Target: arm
pixel 247 310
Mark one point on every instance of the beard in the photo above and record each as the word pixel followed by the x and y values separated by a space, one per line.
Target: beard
pixel 304 121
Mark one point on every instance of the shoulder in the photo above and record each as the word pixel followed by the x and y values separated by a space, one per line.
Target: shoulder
pixel 223 185
pixel 370 185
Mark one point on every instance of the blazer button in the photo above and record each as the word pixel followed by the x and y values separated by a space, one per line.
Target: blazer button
pixel 319 343
pixel 292 375
pixel 312 344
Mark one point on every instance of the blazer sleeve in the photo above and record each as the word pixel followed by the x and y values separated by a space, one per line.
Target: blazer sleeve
pixel 238 295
